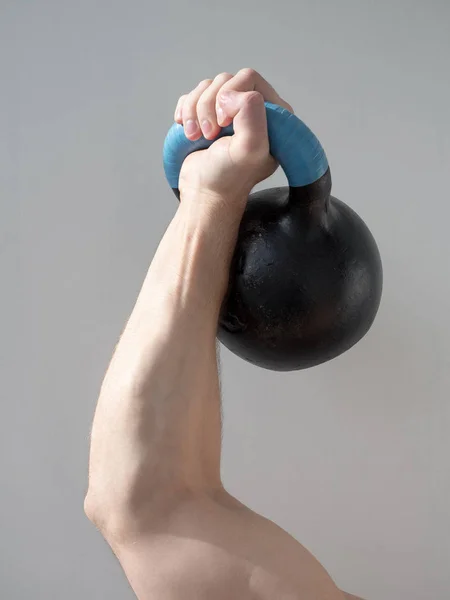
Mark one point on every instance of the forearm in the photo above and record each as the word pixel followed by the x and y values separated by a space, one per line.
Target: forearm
pixel 157 423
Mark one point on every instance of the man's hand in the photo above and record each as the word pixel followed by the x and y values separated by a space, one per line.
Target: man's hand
pixel 233 165
pixel 155 488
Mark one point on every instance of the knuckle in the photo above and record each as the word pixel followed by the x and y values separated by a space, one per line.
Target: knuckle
pixel 254 99
pixel 223 77
pixel 248 73
pixel 205 83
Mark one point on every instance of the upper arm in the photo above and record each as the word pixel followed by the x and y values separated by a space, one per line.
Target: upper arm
pixel 173 568
pixel 219 549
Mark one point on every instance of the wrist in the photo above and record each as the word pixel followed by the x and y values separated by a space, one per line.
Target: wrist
pixel 212 220
pixel 212 209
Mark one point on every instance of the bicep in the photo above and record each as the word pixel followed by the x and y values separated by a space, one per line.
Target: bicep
pixel 209 549
pixel 171 567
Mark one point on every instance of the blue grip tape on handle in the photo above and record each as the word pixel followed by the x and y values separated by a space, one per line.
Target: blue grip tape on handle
pixel 291 142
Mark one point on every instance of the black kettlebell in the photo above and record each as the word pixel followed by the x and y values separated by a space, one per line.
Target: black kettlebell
pixel 306 277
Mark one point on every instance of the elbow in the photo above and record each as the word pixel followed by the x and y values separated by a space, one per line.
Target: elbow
pixel 130 510
pixel 104 517
pixel 117 523
pixel 110 523
pixel 93 510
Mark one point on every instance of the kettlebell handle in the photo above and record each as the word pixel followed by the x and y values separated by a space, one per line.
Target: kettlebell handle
pixel 291 143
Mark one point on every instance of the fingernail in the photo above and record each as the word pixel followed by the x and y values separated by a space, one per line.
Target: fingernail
pixel 191 127
pixel 220 115
pixel 225 96
pixel 206 127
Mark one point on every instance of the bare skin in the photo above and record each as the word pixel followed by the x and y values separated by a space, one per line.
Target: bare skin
pixel 155 489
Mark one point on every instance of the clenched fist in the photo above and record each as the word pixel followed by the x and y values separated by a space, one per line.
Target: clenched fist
pixel 232 165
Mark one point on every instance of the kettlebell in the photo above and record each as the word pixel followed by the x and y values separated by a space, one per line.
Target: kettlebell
pixel 306 275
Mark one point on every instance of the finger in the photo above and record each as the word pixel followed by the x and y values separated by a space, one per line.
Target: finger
pixel 189 112
pixel 206 107
pixel 247 80
pixel 178 110
pixel 248 113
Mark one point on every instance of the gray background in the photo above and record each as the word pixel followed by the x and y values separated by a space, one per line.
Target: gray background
pixel 351 457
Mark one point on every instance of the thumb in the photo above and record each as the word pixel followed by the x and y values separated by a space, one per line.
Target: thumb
pixel 248 112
